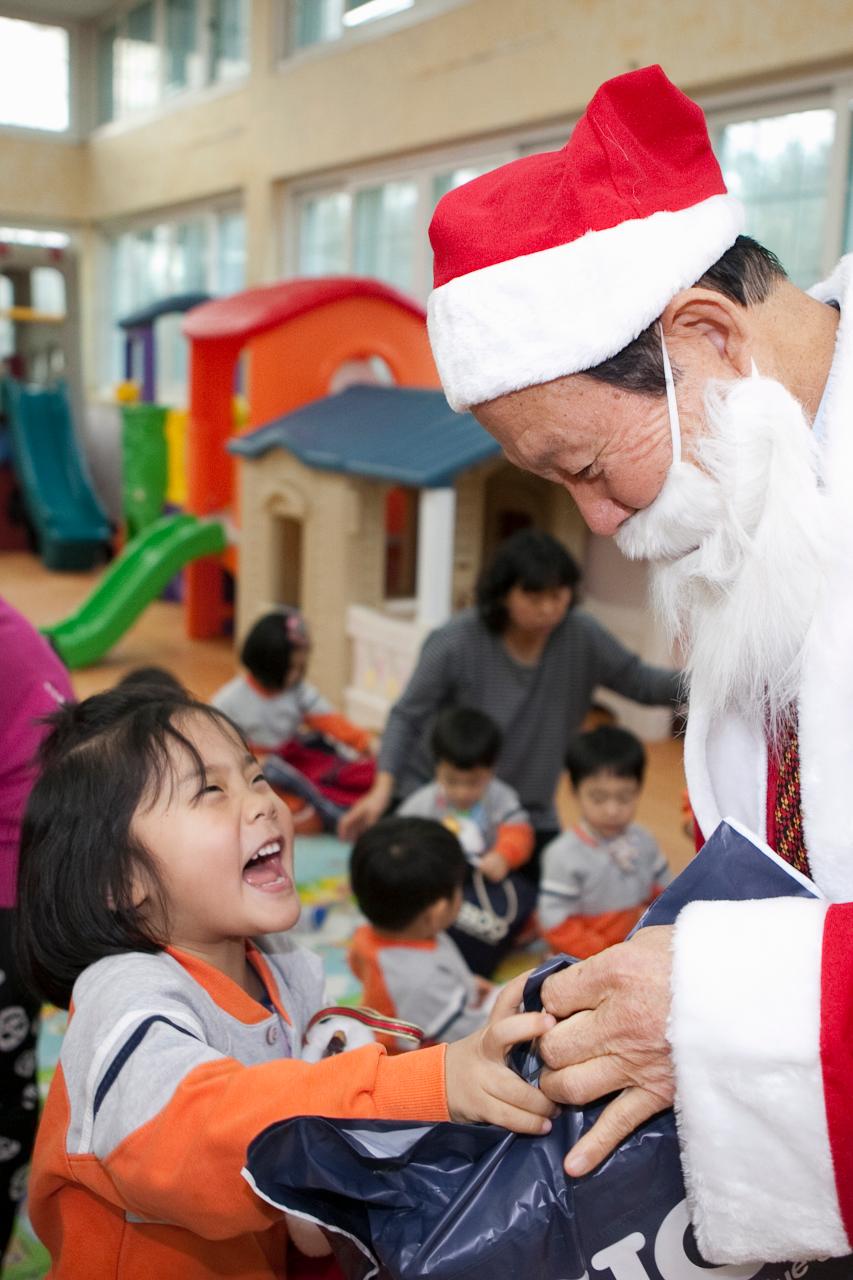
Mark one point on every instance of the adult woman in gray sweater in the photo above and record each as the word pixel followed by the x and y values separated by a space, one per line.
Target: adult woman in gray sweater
pixel 528 659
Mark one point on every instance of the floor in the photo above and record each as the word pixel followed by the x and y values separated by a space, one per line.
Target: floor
pixel 203 665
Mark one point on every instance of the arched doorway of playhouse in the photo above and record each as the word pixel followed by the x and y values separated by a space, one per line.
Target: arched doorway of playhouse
pixel 286 559
pixel 514 500
pixel 283 547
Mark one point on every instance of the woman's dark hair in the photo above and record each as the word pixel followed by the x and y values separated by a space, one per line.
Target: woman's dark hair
pixel 747 273
pixel 466 738
pixel 530 559
pixel 607 749
pixel 104 758
pixel 267 651
pixel 401 866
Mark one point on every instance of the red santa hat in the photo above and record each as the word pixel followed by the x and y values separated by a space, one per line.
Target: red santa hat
pixel 553 263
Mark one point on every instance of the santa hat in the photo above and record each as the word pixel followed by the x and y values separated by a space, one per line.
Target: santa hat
pixel 553 263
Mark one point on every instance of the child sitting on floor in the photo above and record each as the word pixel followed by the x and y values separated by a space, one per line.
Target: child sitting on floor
pixel 407 876
pixel 153 851
pixel 599 877
pixel 493 829
pixel 271 701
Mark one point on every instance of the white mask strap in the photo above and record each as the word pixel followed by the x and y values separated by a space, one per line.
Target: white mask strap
pixel 671 403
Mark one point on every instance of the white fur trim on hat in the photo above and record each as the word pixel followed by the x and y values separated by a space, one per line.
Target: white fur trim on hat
pixel 538 317
pixel 745 1034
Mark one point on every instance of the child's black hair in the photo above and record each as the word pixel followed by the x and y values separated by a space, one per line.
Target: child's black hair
pixel 401 866
pixel 530 559
pixel 466 738
pixel 267 651
pixel 157 679
pixel 80 859
pixel 607 749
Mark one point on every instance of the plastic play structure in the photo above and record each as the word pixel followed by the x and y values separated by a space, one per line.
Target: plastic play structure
pixel 297 337
pixel 41 401
pixel 72 527
pixel 133 581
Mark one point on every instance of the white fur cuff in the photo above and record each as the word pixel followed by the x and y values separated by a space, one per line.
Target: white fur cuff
pixel 745 1032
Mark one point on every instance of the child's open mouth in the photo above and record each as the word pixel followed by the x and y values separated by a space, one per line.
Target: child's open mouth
pixel 264 869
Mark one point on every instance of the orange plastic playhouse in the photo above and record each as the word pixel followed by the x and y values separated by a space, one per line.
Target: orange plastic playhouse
pixel 296 336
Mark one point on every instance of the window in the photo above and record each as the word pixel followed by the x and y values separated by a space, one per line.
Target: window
pixel 384 233
pixel 314 22
pixel 138 62
pixel 229 24
pixel 377 228
pixel 34 75
pixel 153 50
pixel 184 69
pixel 324 234
pixel 779 167
pixel 7 329
pixel 203 252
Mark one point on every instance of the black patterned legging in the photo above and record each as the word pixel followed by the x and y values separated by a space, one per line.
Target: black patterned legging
pixel 19 1018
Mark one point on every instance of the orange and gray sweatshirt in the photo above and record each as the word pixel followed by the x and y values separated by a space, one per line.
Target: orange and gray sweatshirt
pixel 167 1072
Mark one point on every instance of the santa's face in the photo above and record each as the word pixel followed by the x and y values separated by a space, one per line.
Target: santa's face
pixel 735 531
pixel 610 448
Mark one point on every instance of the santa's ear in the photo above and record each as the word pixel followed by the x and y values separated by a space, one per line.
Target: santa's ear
pixel 706 316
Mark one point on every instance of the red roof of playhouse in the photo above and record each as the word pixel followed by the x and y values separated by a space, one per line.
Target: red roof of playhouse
pixel 256 311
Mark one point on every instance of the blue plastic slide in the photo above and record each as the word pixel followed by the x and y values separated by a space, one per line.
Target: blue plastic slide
pixel 72 528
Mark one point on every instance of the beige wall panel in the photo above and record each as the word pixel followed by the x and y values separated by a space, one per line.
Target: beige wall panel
pixel 188 154
pixel 42 180
pixel 482 67
pixel 497 64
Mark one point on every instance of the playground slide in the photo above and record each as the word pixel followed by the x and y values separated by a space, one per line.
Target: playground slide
pixel 72 527
pixel 132 581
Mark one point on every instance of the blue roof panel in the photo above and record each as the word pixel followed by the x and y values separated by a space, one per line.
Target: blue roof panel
pixel 395 434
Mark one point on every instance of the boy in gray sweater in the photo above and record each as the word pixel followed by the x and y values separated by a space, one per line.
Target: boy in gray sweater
pixel 600 876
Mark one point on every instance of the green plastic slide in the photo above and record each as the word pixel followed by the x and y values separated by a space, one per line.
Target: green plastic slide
pixel 131 582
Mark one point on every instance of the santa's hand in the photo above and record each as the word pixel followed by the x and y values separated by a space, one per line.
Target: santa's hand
pixel 615 1009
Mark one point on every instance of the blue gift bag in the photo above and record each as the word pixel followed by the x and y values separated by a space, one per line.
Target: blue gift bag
pixel 452 1201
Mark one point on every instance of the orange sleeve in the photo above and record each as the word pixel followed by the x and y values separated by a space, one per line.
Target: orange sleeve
pixel 336 726
pixel 184 1165
pixel 515 842
pixel 584 936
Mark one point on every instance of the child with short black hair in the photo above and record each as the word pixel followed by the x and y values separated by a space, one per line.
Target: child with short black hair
pixel 407 876
pixel 494 830
pixel 272 701
pixel 153 851
pixel 599 877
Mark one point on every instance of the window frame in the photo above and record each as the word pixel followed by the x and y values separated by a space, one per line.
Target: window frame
pixel 421 169
pixel 790 97
pixel 168 99
pixel 289 52
pixel 211 213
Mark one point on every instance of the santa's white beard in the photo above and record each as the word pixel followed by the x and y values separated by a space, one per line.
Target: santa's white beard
pixel 737 544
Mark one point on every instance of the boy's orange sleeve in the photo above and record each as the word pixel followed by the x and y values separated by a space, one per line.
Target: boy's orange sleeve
pixel 514 842
pixel 184 1164
pixel 336 726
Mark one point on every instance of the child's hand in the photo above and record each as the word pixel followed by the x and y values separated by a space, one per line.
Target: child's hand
pixel 494 866
pixel 481 1087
